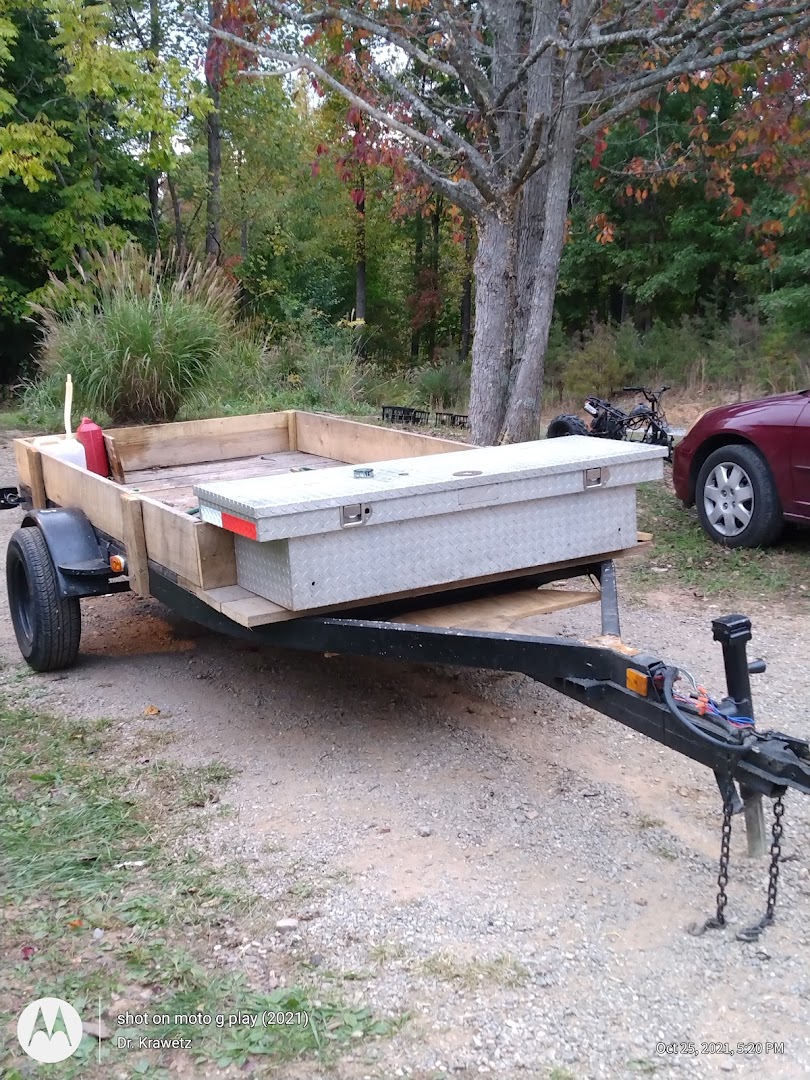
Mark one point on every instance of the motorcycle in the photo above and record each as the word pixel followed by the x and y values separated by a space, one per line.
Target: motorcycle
pixel 645 423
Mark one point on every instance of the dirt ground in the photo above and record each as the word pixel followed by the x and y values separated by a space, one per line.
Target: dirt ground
pixel 514 872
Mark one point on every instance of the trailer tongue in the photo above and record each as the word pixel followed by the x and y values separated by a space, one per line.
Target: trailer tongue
pixel 640 690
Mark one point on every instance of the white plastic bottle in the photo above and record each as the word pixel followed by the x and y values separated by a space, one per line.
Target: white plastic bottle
pixel 65 447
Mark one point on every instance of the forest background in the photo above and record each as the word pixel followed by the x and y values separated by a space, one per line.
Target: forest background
pixel 348 281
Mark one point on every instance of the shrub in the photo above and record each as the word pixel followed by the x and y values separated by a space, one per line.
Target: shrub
pixel 138 333
pixel 445 387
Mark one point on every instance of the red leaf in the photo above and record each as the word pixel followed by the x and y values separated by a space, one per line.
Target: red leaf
pixel 27 951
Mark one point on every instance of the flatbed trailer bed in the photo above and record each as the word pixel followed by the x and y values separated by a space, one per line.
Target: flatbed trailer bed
pixel 84 535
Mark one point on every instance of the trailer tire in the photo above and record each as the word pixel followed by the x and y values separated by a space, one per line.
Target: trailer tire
pixel 48 626
pixel 566 425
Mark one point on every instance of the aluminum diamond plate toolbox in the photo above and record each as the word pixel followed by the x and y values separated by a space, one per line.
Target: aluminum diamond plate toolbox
pixel 312 539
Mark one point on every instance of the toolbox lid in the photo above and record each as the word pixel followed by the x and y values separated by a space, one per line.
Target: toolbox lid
pixel 282 494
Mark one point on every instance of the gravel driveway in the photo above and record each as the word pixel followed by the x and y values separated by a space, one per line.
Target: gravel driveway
pixel 513 871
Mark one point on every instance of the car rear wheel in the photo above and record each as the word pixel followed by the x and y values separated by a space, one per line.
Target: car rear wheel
pixel 736 498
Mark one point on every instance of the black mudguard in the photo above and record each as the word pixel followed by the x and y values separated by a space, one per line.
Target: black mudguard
pixel 81 561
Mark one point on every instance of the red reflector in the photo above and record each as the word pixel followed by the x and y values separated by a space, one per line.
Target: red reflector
pixel 237 525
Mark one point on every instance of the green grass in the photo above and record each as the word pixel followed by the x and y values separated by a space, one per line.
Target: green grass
pixel 501 971
pixel 90 842
pixel 681 554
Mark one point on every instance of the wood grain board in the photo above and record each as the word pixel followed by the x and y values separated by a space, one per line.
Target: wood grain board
pixel 358 444
pixel 500 612
pixel 249 609
pixel 193 441
pixel 174 485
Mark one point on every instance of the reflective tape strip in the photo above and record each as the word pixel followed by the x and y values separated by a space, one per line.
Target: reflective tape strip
pixel 239 526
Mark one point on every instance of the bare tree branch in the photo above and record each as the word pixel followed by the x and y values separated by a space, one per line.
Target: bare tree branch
pixel 460 192
pixel 632 92
pixel 300 62
pixel 330 13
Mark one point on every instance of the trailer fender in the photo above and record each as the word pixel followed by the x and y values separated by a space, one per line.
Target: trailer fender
pixel 81 562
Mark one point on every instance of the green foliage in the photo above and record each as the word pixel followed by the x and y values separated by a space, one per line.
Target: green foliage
pixel 316 368
pixel 137 333
pixel 695 355
pixel 446 387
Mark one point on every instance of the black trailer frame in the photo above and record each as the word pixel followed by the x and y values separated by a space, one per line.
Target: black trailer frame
pixel 635 688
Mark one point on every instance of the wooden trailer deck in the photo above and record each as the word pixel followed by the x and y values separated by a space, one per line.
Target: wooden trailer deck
pixel 174 486
pixel 144 506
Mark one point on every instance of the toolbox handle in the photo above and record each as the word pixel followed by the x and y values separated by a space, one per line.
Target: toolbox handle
pixel 354 514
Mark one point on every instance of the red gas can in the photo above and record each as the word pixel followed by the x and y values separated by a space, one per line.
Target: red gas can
pixel 91 437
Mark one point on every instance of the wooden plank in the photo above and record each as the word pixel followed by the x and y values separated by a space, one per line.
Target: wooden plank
pixel 116 468
pixel 36 478
pixel 21 460
pixel 644 537
pixel 200 440
pixel 499 612
pixel 292 429
pixel 69 485
pixel 217 555
pixel 237 468
pixel 346 440
pixel 200 553
pixel 135 544
pixel 261 612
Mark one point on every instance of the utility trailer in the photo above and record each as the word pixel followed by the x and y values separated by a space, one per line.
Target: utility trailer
pixel 142 530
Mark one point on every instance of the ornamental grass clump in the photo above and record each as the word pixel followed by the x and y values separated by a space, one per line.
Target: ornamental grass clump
pixel 138 333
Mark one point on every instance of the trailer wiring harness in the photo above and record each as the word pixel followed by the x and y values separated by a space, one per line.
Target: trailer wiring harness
pixel 734 741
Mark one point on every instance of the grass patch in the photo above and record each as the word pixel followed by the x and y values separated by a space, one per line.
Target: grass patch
pixel 647 822
pixel 503 971
pixel 682 554
pixel 101 902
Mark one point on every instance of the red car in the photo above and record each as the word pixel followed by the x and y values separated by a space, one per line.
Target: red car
pixel 747 467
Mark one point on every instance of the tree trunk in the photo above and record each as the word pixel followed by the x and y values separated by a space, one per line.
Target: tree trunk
pixel 539 101
pixel 360 257
pixel 154 177
pixel 494 320
pixel 153 186
pixel 523 413
pixel 213 191
pixel 419 243
pixel 177 213
pixel 466 296
pixel 433 283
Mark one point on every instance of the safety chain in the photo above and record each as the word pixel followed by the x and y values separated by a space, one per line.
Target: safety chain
pixel 752 933
pixel 718 921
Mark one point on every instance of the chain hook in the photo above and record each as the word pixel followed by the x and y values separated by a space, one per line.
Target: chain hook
pixel 752 933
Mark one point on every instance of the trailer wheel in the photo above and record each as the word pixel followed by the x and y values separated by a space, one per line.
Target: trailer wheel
pixel 566 425
pixel 48 626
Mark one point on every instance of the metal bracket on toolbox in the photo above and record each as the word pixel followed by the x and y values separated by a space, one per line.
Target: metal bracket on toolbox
pixel 595 477
pixel 354 514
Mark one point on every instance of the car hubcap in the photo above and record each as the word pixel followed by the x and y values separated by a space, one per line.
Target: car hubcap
pixel 728 499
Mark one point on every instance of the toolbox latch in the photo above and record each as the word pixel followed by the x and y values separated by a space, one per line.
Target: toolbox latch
pixel 354 514
pixel 595 477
